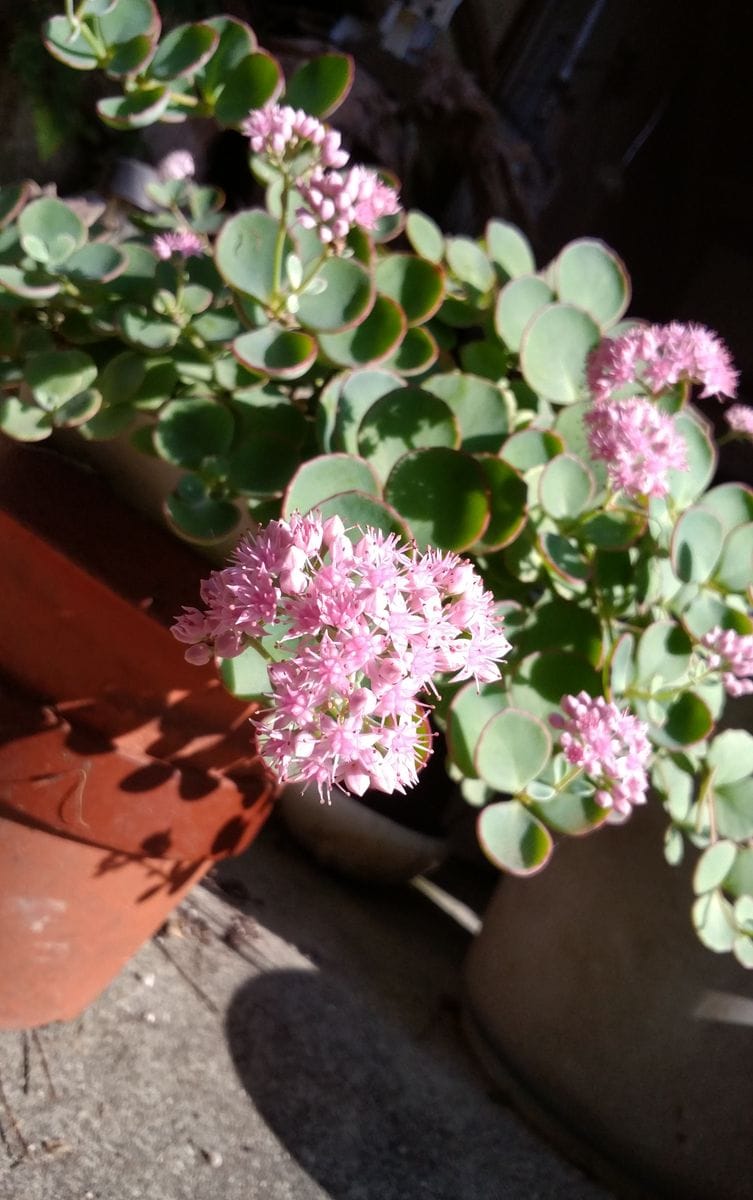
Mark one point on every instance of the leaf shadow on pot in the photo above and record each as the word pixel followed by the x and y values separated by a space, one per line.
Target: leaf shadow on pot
pixel 366 1112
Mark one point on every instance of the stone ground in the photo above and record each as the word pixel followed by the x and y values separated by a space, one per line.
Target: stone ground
pixel 288 1034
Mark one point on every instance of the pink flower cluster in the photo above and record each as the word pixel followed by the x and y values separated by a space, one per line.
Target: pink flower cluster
pixel 638 442
pixel 612 747
pixel 183 242
pixel 178 164
pixel 335 201
pixel 364 627
pixel 281 132
pixel 740 419
pixel 659 356
pixel 733 652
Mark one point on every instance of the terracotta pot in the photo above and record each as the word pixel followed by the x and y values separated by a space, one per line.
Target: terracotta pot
pixel 124 772
pixel 592 1002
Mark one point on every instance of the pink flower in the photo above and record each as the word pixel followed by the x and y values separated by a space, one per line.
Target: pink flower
pixel 638 442
pixel 281 132
pixel 733 653
pixel 740 419
pixel 362 627
pixel 335 201
pixel 657 357
pixel 611 747
pixel 183 242
pixel 178 164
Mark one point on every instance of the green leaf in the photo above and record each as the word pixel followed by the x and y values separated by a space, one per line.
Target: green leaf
pixel 554 350
pixel 734 809
pixel 442 494
pixel 467 715
pixel 246 675
pixel 376 337
pixel 621 665
pixel 541 680
pixel 713 866
pixel 510 249
pixel 513 838
pixel 743 951
pixel 325 476
pixel 416 353
pixel 135 110
pixel 478 406
pixel 276 351
pixel 321 85
pixel 236 40
pixel 566 487
pixel 96 262
pixel 686 486
pixel 13 196
pixel 403 420
pixel 663 654
pixel 557 624
pixel 507 504
pixel 469 263
pixel 245 253
pixel 688 720
pixel 674 846
pixel 127 19
pixel 416 285
pixel 67 45
pixel 744 913
pixel 358 392
pixel 513 749
pixel 564 557
pixel 50 231
pixel 78 409
pixel 199 517
pixel 192 429
pixel 730 503
pixel 58 375
pixel 425 236
pixel 713 922
pixel 571 813
pixel 253 82
pixel 589 274
pixel 183 51
pixel 23 422
pixel 358 510
pixel 613 530
pixel 346 299
pixel 731 756
pixel 531 448
pixel 735 570
pixel 519 301
pixel 490 360
pixel 129 56
pixel 142 329
pixel 696 545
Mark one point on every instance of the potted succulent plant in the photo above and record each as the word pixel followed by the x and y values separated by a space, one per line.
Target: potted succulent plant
pixel 450 397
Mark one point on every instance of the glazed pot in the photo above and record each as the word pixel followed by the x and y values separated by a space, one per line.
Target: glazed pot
pixel 593 1004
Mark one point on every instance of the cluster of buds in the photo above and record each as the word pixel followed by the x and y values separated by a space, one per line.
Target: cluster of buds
pixel 732 653
pixel 610 746
pixel 362 627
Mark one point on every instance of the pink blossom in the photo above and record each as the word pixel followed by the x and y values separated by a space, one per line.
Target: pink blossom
pixel 656 357
pixel 178 164
pixel 335 201
pixel 611 747
pixel 182 241
pixel 362 627
pixel 733 653
pixel 638 442
pixel 282 132
pixel 740 419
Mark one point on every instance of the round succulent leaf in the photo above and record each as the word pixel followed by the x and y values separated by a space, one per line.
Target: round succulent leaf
pixel 262 465
pixel 566 487
pixel 513 838
pixel 530 448
pixel 109 423
pixel 512 749
pixel 253 82
pixel 97 262
pixel 199 517
pixel 688 720
pixel 730 503
pixel 696 545
pixel 714 922
pixel 24 422
pixel 713 866
pixel 557 624
pixel 442 494
pixel 246 675
pixel 570 426
pixel 78 409
pixel 730 755
pixel 508 511
pixel 127 19
pixel 621 665
pixel 141 328
pixel 65 43
pixel 135 110
pixel 416 353
pixel 320 85
pixel 743 950
pixel 57 375
pixel 589 274
pixel 709 609
pixel 459 314
pixel 358 391
pixel 403 420
pixel 183 51
pixel 733 802
pixel 137 281
pixel 346 298
pixel 554 351
pixel 674 846
pixel 50 231
pixel 686 486
pixel 129 56
pixel 613 530
pixel 373 340
pixel 276 351
pixel 488 359
pixel 734 572
pixel 663 654
pixel 416 284
pixel 13 196
pixel 509 249
pixel 425 236
pixel 541 680
pixel 469 263
pixel 571 813
pixel 235 41
pixel 192 429
pixel 522 558
pixel 744 913
pixel 564 556
pixel 327 475
pixel 220 325
pixel 245 253
pixel 470 709
pixel 478 405
pixel 517 304
pixel 359 511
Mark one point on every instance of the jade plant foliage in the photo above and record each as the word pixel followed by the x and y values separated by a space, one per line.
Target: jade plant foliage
pixel 438 387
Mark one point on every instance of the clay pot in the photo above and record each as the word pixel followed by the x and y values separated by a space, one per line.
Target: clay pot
pixel 594 1005
pixel 124 772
